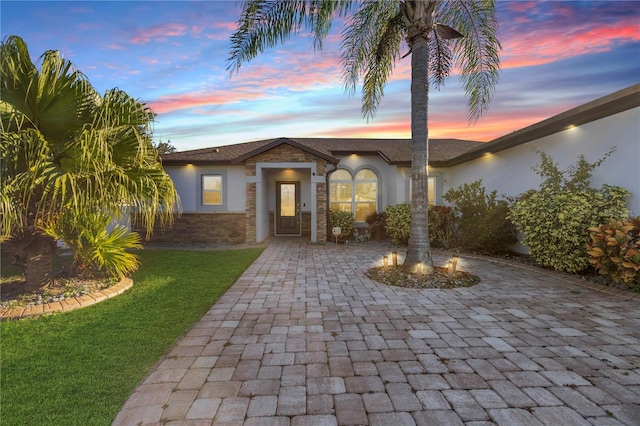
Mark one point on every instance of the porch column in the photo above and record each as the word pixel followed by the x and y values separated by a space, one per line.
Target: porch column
pixel 318 209
pixel 251 202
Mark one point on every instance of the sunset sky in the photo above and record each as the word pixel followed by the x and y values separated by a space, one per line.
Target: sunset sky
pixel 172 55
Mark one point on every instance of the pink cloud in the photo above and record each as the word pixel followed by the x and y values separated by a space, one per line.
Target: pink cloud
pixel 381 130
pixel 294 72
pixel 441 127
pixel 550 44
pixel 170 103
pixel 151 61
pixel 159 32
pixel 520 6
pixel 229 26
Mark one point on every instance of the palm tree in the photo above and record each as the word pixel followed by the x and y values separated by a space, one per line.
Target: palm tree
pixel 440 35
pixel 71 160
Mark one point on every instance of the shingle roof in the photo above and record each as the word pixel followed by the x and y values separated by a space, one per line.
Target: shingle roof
pixel 394 151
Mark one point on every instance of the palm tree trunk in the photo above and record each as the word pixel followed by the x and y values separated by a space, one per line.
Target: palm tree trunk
pixel 419 250
pixel 37 260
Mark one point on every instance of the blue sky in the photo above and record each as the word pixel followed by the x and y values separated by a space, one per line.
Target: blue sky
pixel 172 55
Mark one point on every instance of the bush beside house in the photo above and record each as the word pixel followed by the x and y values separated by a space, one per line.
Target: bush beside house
pixel 614 250
pixel 343 220
pixel 555 218
pixel 474 221
pixel 480 220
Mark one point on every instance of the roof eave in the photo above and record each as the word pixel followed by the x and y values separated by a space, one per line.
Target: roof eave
pixel 362 152
pixel 606 106
pixel 184 162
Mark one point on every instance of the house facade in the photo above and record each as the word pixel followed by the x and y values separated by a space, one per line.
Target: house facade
pixel 285 186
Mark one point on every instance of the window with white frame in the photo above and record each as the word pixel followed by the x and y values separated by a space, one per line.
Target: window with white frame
pixel 358 195
pixel 365 194
pixel 341 191
pixel 211 190
pixel 431 190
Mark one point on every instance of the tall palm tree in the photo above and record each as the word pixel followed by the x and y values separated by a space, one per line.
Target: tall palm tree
pixel 441 36
pixel 71 158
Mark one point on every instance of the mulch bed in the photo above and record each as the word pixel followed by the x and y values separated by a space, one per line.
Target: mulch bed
pixel 397 276
pixel 14 296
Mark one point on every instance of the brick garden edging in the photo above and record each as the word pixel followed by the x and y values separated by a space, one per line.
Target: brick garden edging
pixel 67 304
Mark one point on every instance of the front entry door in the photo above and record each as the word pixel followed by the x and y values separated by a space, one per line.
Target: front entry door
pixel 287 208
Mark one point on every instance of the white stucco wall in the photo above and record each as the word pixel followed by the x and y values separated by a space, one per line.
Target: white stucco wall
pixel 509 172
pixel 186 180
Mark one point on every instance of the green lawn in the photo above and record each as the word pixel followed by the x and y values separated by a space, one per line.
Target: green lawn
pixel 78 368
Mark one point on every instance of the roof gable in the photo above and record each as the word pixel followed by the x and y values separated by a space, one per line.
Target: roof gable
pixel 280 141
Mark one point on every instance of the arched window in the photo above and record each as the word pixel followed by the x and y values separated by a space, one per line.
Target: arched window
pixel 341 191
pixel 365 194
pixel 357 195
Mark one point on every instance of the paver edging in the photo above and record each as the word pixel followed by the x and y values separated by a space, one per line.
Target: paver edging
pixel 67 305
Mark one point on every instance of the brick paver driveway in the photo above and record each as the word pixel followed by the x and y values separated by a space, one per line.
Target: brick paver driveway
pixel 304 338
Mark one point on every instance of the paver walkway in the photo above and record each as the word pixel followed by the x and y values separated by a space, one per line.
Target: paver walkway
pixel 304 338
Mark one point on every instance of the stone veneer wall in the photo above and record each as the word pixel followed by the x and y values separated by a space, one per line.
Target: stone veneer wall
pixel 289 154
pixel 321 202
pixel 199 228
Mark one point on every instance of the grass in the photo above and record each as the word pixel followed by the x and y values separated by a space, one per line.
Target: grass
pixel 78 368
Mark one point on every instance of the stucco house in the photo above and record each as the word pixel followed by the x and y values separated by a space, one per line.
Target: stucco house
pixel 285 186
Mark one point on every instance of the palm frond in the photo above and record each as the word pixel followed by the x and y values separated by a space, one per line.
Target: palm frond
pixel 440 60
pixel 321 15
pixel 370 47
pixel 477 54
pixel 266 23
pixel 64 97
pixel 53 99
pixel 263 24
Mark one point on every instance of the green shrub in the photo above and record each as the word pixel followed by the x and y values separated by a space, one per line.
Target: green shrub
pixel 377 223
pixel 614 250
pixel 442 223
pixel 481 219
pixel 398 224
pixel 555 219
pixel 97 249
pixel 344 220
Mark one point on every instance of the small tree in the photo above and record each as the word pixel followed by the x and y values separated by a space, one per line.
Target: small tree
pixel 555 219
pixel 70 156
pixel 164 147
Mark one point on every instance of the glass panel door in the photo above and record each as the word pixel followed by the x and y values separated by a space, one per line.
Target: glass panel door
pixel 287 215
